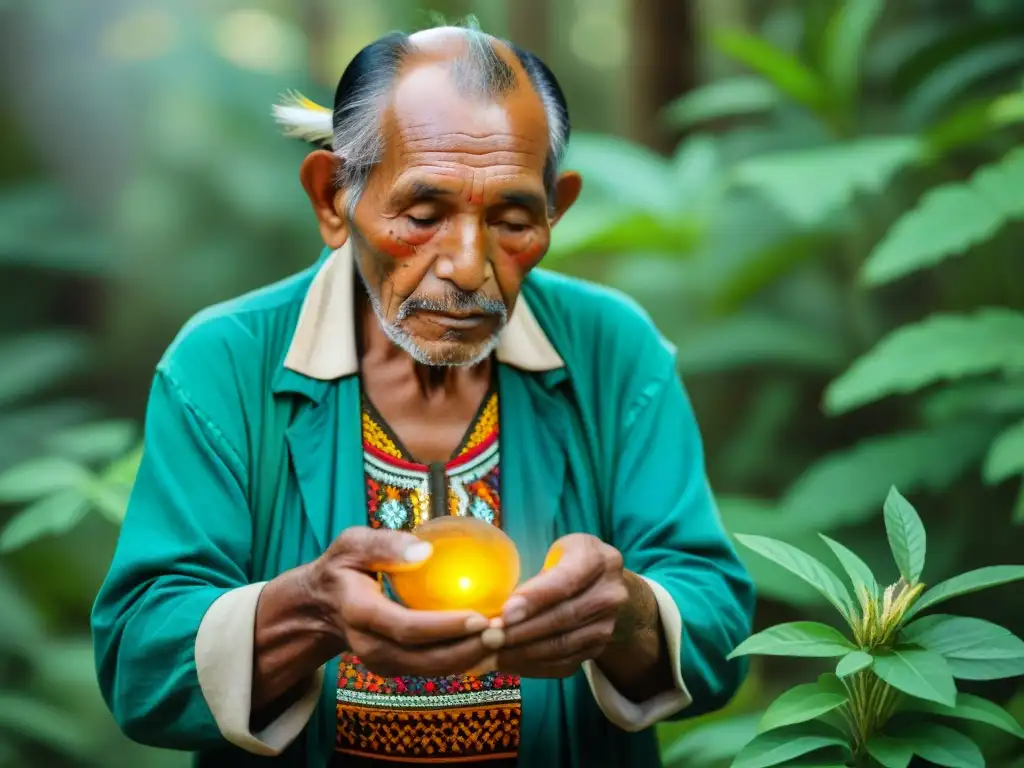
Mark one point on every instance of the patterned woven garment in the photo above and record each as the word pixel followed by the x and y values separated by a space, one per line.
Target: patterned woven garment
pixel 459 718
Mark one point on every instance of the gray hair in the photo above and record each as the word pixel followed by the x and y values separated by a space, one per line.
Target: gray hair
pixel 479 72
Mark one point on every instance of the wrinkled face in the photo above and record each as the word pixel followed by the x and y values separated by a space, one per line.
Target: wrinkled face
pixel 455 215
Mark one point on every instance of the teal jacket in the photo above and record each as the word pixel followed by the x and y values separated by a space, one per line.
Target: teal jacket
pixel 250 469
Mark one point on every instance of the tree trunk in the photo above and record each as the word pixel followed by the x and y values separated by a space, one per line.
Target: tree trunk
pixel 664 66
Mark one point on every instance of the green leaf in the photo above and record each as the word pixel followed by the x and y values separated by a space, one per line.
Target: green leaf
pixel 785 744
pixel 40 477
pixel 1006 457
pixel 732 97
pixel 807 639
pixel 972 708
pixel 49 516
pixel 951 79
pixel 940 745
pixel 973 399
pixel 974 649
pixel 858 571
pixel 889 752
pixel 750 339
pixel 847 40
pixel 789 75
pixel 710 743
pixel 853 662
pixel 608 229
pixel 950 220
pixel 906 535
pixel 847 487
pixel 100 441
pixel 811 184
pixel 798 705
pixel 937 348
pixel 44 724
pixel 802 565
pixel 39 360
pixel 965 584
pixel 923 674
pixel 974 122
pixel 625 173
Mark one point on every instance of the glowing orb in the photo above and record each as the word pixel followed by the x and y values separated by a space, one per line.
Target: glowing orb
pixel 474 567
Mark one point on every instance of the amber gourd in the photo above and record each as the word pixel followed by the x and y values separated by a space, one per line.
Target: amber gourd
pixel 474 566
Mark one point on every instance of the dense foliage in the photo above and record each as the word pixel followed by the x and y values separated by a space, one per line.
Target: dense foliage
pixel 832 247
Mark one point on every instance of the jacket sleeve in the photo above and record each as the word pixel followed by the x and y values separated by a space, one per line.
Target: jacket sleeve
pixel 665 523
pixel 182 560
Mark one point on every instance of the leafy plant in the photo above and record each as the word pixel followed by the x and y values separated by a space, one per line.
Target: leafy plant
pixel 893 688
pixel 59 489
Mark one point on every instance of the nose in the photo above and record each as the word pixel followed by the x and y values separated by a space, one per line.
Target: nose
pixel 463 260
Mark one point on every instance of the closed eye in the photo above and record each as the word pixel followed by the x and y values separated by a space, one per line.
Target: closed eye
pixel 421 222
pixel 514 227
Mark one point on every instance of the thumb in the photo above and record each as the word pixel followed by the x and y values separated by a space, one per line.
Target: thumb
pixel 369 549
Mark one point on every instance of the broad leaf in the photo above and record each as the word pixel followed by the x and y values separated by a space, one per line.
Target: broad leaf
pixel 806 639
pixel 972 708
pixel 858 571
pixel 625 173
pixel 1006 457
pixel 923 674
pixel 785 744
pixel 36 361
pixel 950 220
pixel 798 705
pixel 710 743
pixel 49 516
pixel 975 121
pixel 789 75
pixel 937 348
pixel 812 184
pixel 906 535
pixel 804 566
pixel 99 441
pixel 951 79
pixel 733 97
pixel 965 584
pixel 44 724
pixel 889 752
pixel 974 649
pixel 602 229
pixel 848 486
pixel 853 662
pixel 846 41
pixel 974 398
pixel 40 477
pixel 940 745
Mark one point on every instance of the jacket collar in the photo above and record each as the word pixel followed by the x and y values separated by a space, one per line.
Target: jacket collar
pixel 323 346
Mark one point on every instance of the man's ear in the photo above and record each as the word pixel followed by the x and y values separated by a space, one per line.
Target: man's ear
pixel 319 176
pixel 567 190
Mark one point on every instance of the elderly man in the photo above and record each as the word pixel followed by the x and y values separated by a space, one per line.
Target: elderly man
pixel 297 435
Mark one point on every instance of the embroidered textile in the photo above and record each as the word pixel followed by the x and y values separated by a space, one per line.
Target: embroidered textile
pixel 459 718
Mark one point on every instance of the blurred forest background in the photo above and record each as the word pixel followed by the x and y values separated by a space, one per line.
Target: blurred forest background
pixel 821 203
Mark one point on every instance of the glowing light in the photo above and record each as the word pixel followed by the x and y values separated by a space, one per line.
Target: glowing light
pixel 474 566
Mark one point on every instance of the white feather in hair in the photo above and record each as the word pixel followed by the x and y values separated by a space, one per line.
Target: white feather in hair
pixel 305 119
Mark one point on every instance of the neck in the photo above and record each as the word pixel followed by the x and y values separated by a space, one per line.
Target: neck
pixel 379 353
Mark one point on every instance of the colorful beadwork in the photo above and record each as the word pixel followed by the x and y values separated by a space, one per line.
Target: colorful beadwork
pixel 440 719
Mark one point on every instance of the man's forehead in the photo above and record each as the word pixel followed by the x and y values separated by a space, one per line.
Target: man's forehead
pixel 426 103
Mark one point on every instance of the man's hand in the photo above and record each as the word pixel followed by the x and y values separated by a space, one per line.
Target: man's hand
pixel 388 638
pixel 569 613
